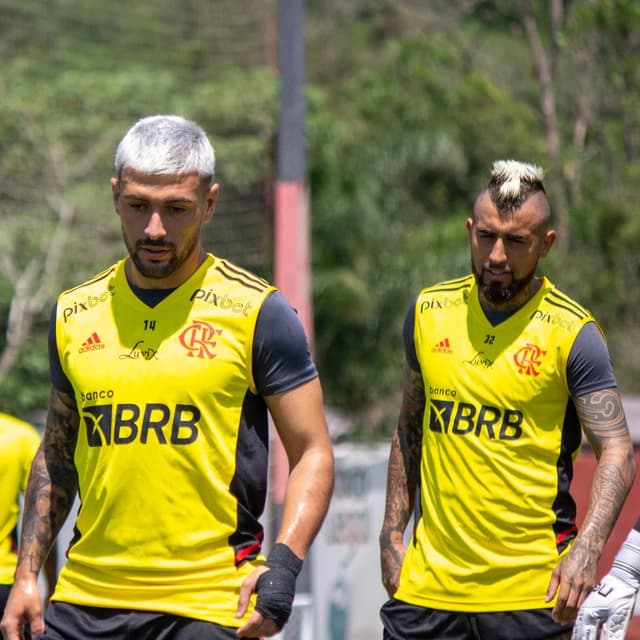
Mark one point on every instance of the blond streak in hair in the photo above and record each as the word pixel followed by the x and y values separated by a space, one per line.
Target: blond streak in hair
pixel 511 175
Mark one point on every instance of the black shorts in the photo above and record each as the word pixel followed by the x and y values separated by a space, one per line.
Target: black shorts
pixel 72 622
pixel 4 596
pixel 404 621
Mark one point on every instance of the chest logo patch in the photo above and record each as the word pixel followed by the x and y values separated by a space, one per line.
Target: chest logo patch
pixel 92 343
pixel 199 339
pixel 443 346
pixel 529 359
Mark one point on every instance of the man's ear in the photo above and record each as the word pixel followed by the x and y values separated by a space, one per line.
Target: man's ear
pixel 212 200
pixel 548 241
pixel 115 192
pixel 469 225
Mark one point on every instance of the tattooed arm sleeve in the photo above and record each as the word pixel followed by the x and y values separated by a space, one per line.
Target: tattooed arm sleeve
pixel 604 423
pixel 52 483
pixel 402 477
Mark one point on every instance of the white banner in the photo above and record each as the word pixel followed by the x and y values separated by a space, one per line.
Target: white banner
pixel 347 588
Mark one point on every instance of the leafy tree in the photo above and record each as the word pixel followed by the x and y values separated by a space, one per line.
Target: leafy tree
pixel 408 105
pixel 479 81
pixel 392 182
pixel 57 142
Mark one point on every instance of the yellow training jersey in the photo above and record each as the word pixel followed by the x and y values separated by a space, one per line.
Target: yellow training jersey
pixel 18 445
pixel 172 447
pixel 499 436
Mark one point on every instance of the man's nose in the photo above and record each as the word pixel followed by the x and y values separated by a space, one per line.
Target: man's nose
pixel 155 228
pixel 498 254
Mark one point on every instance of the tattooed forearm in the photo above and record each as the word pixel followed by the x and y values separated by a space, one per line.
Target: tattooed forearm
pixel 604 423
pixel 411 434
pixel 60 440
pixel 52 483
pixel 33 562
pixel 402 478
pixel 404 460
pixel 608 492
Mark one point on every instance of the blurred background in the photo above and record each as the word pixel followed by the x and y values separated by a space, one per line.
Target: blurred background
pixel 406 105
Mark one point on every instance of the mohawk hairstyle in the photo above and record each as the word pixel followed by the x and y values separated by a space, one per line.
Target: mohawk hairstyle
pixel 512 182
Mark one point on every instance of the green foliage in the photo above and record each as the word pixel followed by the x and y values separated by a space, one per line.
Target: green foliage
pixel 418 121
pixel 392 183
pixel 61 137
pixel 26 391
pixel 57 140
pixel 408 104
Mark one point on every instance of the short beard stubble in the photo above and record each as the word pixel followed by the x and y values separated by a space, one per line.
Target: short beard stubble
pixel 499 294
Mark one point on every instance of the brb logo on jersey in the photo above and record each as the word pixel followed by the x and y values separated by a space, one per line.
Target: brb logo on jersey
pixel 108 424
pixel 462 418
pixel 199 339
pixel 529 359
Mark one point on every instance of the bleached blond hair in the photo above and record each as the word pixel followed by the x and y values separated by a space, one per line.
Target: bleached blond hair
pixel 166 144
pixel 512 182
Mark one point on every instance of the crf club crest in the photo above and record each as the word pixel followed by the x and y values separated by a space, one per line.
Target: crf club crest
pixel 199 339
pixel 529 359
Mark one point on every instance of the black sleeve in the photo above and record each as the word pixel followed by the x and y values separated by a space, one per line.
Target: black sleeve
pixel 589 366
pixel 57 376
pixel 281 358
pixel 408 333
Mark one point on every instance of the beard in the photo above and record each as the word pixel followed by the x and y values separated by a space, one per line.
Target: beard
pixel 497 293
pixel 165 268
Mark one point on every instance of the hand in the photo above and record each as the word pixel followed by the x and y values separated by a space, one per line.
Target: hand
pixel 392 552
pixel 572 580
pixel 23 609
pixel 606 612
pixel 257 625
pixel 275 585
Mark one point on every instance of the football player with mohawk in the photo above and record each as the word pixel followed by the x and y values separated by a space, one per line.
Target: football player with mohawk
pixel 503 375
